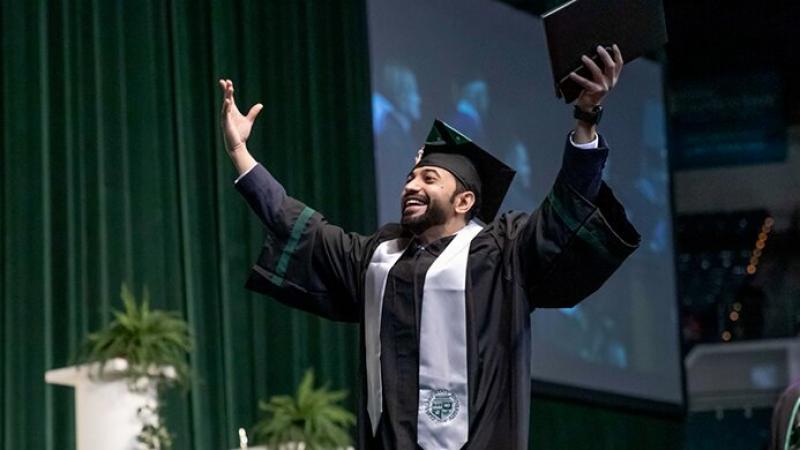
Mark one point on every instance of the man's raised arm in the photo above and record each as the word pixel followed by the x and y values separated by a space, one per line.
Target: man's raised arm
pixel 305 262
pixel 580 234
pixel 261 190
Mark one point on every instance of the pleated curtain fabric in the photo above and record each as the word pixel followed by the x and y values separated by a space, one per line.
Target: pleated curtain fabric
pixel 113 171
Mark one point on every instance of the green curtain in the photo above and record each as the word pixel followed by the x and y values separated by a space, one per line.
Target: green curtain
pixel 113 171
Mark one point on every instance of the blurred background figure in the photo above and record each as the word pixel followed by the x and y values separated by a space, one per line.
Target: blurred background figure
pixel 521 194
pixel 652 183
pixel 472 104
pixel 394 110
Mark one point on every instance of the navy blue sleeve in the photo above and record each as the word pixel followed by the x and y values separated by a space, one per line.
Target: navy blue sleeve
pixel 582 169
pixel 569 246
pixel 305 262
pixel 264 194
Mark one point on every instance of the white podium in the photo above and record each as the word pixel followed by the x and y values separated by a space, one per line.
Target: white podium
pixel 106 410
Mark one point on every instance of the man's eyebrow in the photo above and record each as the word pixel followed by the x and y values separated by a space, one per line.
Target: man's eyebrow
pixel 425 171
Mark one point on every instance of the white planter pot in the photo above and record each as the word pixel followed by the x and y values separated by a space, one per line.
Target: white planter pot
pixel 106 410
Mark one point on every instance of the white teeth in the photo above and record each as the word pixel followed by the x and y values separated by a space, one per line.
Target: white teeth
pixel 413 202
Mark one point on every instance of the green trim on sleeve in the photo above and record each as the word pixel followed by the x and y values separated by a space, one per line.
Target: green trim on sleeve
pixel 291 246
pixel 597 241
pixel 586 221
pixel 562 212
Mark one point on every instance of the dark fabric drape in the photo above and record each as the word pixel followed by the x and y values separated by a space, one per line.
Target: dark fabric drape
pixel 113 170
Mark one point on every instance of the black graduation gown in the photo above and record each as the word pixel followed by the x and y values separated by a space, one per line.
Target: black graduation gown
pixel 553 257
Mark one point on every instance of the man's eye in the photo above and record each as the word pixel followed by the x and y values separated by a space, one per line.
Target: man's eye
pixel 429 179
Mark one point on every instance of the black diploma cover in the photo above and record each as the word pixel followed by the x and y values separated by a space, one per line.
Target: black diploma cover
pixel 577 27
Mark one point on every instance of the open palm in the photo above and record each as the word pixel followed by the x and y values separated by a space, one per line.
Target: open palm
pixel 236 127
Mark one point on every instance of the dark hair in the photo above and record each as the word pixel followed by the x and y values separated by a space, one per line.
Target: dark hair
pixel 461 188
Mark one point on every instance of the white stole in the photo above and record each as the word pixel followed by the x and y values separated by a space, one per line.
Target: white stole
pixel 443 415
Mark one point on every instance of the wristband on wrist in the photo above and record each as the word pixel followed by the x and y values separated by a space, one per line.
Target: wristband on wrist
pixel 591 117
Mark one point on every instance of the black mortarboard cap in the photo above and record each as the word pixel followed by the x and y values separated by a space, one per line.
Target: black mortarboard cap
pixel 482 173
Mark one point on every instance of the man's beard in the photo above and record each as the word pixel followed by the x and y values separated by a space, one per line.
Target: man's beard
pixel 434 215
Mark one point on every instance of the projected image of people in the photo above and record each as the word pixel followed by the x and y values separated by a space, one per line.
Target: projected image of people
pixel 588 333
pixel 652 182
pixel 521 195
pixel 472 105
pixel 395 107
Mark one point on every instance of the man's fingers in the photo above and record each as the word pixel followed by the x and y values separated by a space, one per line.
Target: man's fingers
pixel 586 84
pixel 224 96
pixel 618 58
pixel 610 66
pixel 597 74
pixel 224 114
pixel 225 89
pixel 253 113
pixel 617 55
pixel 229 91
pixel 229 102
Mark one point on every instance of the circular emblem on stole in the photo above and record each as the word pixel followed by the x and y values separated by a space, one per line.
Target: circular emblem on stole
pixel 442 406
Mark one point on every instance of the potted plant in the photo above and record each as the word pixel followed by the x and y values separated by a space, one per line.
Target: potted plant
pixel 124 367
pixel 312 419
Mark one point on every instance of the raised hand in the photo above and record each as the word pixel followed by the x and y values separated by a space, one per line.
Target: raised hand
pixel 236 127
pixel 595 90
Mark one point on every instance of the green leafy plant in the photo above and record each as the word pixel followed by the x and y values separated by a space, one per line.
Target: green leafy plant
pixel 313 416
pixel 155 344
pixel 148 340
pixel 154 435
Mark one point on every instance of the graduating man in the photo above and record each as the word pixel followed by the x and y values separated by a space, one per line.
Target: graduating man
pixel 443 298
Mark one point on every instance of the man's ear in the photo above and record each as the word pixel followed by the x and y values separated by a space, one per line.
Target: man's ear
pixel 464 202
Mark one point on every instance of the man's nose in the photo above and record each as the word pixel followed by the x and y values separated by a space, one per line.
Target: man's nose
pixel 410 188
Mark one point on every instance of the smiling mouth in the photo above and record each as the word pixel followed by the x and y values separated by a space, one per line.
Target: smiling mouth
pixel 414 204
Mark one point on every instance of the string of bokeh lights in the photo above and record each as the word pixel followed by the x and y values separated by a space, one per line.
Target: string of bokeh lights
pixel 755 256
